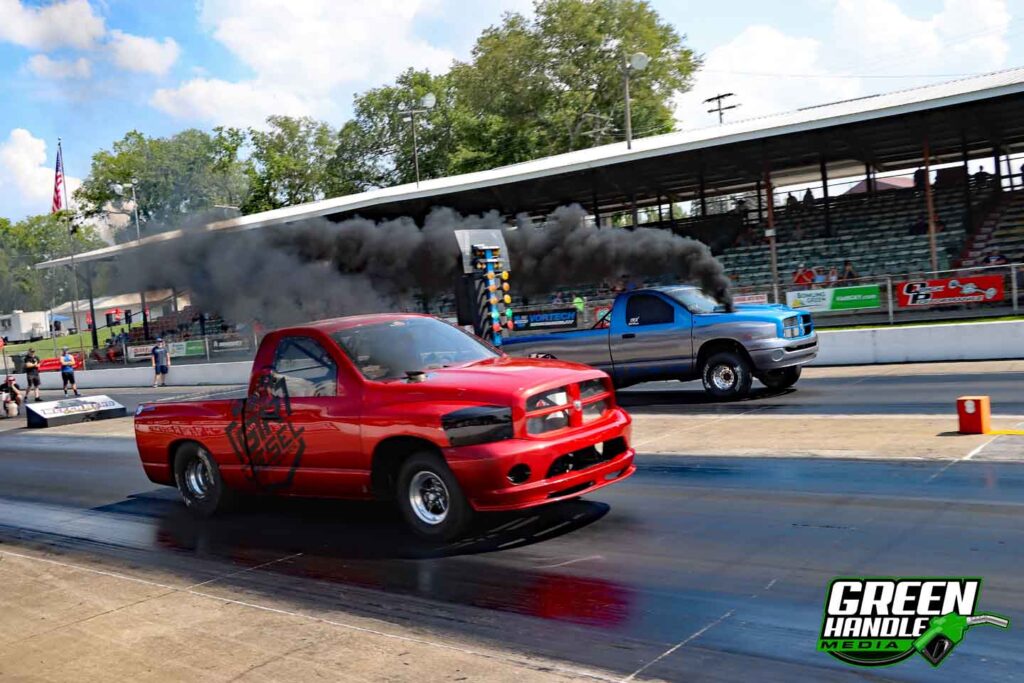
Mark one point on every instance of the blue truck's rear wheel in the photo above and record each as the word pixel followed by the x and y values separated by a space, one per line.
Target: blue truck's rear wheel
pixel 726 375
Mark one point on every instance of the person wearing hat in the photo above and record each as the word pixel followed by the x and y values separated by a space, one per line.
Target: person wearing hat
pixel 31 363
pixel 161 363
pixel 67 371
pixel 11 396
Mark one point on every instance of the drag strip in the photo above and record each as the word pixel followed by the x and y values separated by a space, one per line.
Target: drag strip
pixel 696 568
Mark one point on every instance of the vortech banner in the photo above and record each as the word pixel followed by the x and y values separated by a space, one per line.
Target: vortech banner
pixel 957 290
pixel 560 319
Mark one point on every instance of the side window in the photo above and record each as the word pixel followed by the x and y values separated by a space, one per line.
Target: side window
pixel 647 309
pixel 306 368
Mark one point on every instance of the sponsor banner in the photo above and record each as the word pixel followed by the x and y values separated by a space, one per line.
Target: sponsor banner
pixel 192 347
pixel 560 319
pixel 71 410
pixel 971 289
pixel 224 345
pixel 836 298
pixel 750 299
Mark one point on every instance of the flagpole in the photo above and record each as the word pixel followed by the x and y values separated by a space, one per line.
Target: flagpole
pixel 71 240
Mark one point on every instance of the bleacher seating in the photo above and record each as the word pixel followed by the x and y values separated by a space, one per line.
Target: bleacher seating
pixel 1003 231
pixel 871 231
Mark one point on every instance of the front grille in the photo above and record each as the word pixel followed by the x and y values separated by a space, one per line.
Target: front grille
pixel 587 457
pixel 806 324
pixel 569 406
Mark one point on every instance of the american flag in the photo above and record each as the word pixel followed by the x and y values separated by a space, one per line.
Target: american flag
pixel 58 182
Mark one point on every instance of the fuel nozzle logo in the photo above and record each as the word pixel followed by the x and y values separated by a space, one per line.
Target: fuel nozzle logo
pixel 882 621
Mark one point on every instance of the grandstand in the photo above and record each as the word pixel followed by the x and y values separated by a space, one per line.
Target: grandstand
pixel 1003 230
pixel 873 231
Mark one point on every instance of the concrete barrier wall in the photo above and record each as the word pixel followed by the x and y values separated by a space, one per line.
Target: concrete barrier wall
pixel 922 343
pixel 142 376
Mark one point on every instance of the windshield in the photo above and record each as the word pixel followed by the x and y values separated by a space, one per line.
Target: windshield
pixel 694 300
pixel 390 350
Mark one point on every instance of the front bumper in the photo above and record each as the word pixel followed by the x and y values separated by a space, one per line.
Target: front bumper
pixel 776 354
pixel 483 470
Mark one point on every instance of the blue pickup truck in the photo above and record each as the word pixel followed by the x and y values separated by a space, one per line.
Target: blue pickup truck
pixel 680 333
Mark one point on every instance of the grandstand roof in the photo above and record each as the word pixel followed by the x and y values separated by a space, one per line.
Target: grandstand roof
pixel 886 131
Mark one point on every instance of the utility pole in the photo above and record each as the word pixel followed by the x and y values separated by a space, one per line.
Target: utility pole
pixel 718 108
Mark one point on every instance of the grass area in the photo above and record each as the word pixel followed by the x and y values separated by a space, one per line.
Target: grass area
pixel 919 323
pixel 79 340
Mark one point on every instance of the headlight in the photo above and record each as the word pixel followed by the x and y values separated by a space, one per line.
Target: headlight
pixel 479 424
pixel 791 327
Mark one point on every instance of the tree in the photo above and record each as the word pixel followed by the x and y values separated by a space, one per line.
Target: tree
pixel 375 148
pixel 31 241
pixel 175 176
pixel 288 162
pixel 553 83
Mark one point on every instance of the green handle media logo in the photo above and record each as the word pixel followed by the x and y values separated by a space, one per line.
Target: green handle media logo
pixel 884 620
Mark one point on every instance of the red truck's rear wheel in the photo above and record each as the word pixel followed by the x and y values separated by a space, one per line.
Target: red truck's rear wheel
pixel 199 481
pixel 430 498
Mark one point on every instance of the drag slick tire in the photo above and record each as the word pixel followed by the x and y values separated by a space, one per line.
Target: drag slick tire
pixel 430 499
pixel 726 375
pixel 199 482
pixel 780 379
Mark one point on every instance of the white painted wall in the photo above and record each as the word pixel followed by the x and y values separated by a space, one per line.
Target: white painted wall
pixel 922 343
pixel 142 376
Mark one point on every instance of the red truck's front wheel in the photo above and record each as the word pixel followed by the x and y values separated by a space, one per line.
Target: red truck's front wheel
pixel 430 498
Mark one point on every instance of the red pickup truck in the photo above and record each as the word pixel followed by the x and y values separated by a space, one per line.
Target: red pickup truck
pixel 401 407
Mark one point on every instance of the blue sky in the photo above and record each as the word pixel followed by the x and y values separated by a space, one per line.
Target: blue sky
pixel 90 70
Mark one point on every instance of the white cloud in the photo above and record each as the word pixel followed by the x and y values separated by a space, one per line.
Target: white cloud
pixel 771 71
pixel 147 55
pixel 737 67
pixel 224 102
pixel 26 174
pixel 300 53
pixel 71 23
pixel 59 69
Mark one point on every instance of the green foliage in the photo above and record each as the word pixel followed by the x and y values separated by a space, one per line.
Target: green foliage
pixel 175 176
pixel 30 241
pixel 288 162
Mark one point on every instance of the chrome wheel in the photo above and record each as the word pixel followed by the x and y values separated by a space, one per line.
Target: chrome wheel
pixel 723 377
pixel 428 497
pixel 198 478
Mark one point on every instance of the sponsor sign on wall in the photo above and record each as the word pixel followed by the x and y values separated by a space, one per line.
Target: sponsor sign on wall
pixel 750 299
pixel 560 319
pixel 192 347
pixel 836 298
pixel 970 289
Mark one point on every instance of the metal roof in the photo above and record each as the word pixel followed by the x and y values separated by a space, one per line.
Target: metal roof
pixel 884 130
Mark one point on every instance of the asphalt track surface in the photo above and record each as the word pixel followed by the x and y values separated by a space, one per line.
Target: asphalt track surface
pixel 697 568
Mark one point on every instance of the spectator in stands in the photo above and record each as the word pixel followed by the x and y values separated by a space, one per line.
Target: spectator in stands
pixel 995 258
pixel 67 371
pixel 557 298
pixel 833 276
pixel 580 304
pixel 803 275
pixel 849 274
pixel 808 199
pixel 791 201
pixel 819 277
pixel 161 363
pixel 982 177
pixel 11 396
pixel 919 179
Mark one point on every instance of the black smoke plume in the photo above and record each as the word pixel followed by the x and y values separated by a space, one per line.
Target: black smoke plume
pixel 317 269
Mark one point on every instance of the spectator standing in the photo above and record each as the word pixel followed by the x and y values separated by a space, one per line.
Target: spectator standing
pixel 982 177
pixel 808 199
pixel 833 276
pixel 995 258
pixel 849 274
pixel 819 277
pixel 161 363
pixel 67 371
pixel 31 362
pixel 803 275
pixel 791 201
pixel 11 396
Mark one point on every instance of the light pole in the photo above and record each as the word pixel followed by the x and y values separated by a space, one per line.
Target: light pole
pixel 634 63
pixel 118 189
pixel 427 102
